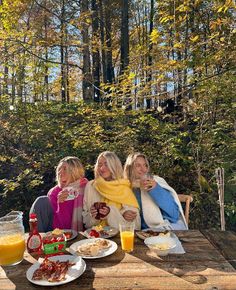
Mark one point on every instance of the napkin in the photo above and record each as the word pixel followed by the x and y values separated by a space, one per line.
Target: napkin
pixel 179 248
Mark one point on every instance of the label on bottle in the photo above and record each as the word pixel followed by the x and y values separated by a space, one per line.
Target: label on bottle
pixel 34 243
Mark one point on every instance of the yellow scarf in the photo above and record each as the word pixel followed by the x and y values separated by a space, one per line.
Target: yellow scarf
pixel 116 192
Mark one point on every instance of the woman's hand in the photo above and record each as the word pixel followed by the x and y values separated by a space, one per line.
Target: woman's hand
pixel 151 184
pixel 62 196
pixel 101 213
pixel 104 211
pixel 148 184
pixel 93 211
pixel 129 215
pixel 136 183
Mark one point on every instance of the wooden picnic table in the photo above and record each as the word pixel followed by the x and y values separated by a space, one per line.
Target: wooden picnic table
pixel 209 263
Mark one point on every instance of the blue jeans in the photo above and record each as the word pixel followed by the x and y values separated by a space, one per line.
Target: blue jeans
pixel 43 209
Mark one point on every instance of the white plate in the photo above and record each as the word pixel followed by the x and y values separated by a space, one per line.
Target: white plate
pixel 74 233
pixel 103 253
pixel 141 234
pixel 73 272
pixel 110 232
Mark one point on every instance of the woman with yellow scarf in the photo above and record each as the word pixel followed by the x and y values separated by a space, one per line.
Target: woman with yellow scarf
pixel 109 199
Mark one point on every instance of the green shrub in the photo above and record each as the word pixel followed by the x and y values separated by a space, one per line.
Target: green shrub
pixel 186 153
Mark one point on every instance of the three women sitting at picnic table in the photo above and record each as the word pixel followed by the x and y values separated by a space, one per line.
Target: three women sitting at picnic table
pixel 115 195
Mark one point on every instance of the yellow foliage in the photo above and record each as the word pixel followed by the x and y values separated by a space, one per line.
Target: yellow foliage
pixel 204 183
pixel 3 158
pixel 131 76
pixel 220 9
pixel 178 45
pixel 172 62
pixel 195 38
pixel 214 35
pixel 154 36
pixel 166 19
pixel 224 8
pixel 183 8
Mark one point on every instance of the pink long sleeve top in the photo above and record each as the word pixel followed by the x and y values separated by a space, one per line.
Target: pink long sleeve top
pixel 63 211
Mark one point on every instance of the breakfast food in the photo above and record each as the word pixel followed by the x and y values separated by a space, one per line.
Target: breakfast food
pixel 52 271
pixel 99 232
pixel 54 242
pixel 92 249
pixel 161 247
pixel 150 233
pixel 68 234
pixel 94 233
pixel 57 232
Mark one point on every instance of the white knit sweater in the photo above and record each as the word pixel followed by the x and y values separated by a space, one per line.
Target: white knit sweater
pixel 91 195
pixel 152 214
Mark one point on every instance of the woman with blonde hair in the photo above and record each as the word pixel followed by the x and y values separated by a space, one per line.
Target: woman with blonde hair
pixel 158 202
pixel 62 207
pixel 110 188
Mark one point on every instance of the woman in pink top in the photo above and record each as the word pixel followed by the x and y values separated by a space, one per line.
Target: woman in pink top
pixel 67 196
pixel 62 207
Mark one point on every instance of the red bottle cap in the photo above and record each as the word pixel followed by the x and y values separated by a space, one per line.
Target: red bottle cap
pixel 33 216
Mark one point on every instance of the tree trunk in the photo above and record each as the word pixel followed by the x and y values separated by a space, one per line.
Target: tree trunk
pixel 87 78
pixel 124 42
pixel 63 67
pixel 67 75
pixel 110 69
pixel 46 76
pixel 186 48
pixel 13 87
pixel 46 72
pixel 149 78
pixel 95 52
pixel 102 16
pixel 6 71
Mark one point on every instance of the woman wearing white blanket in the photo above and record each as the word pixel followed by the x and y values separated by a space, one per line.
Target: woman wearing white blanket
pixel 158 202
pixel 111 188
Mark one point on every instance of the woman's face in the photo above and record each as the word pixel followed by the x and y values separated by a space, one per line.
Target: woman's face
pixel 140 167
pixel 103 169
pixel 63 175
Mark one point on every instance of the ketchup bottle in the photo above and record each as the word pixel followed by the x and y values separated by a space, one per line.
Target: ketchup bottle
pixel 34 242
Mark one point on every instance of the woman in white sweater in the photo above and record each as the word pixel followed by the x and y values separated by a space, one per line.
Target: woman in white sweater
pixel 158 202
pixel 109 187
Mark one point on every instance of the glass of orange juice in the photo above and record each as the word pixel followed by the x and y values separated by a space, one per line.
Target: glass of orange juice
pixel 127 236
pixel 12 242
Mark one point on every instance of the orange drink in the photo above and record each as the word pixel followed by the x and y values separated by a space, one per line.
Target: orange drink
pixel 12 249
pixel 127 241
pixel 127 236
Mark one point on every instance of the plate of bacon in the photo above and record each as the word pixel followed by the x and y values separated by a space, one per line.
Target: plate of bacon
pixel 56 270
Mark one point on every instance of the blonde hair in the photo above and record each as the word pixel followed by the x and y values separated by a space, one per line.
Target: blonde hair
pixel 74 168
pixel 130 163
pixel 113 163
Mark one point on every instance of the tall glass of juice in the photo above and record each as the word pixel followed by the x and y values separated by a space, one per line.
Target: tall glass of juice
pixel 127 236
pixel 12 242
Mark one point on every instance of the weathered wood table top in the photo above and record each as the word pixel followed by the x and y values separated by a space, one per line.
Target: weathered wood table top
pixel 209 263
